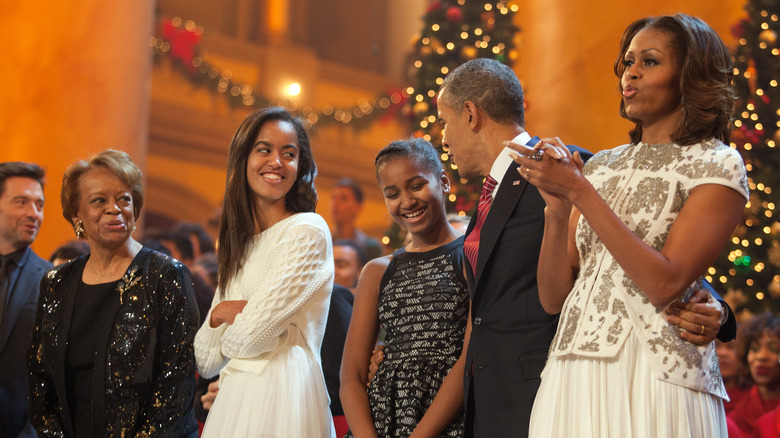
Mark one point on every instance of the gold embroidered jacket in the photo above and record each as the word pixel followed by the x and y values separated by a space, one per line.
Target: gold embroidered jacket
pixel 646 186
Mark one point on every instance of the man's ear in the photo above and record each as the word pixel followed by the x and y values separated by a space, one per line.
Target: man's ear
pixel 473 114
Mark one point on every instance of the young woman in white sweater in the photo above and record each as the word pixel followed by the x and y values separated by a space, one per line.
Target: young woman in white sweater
pixel 264 330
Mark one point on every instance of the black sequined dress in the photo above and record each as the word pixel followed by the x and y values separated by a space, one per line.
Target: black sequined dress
pixel 423 306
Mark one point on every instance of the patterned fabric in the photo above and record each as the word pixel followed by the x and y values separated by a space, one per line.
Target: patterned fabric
pixel 471 245
pixel 646 186
pixel 423 306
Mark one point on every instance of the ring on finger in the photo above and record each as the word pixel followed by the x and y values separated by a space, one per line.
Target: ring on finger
pixel 702 330
pixel 538 154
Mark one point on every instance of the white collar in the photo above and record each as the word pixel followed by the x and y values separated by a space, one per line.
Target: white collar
pixel 504 160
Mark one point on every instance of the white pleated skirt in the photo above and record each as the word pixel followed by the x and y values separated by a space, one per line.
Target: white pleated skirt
pixel 620 397
pixel 287 399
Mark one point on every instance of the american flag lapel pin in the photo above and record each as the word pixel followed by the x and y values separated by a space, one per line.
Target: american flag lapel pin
pixel 516 182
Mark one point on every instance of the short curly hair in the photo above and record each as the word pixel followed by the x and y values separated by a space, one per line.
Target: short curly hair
pixel 119 163
pixel 490 85
pixel 706 71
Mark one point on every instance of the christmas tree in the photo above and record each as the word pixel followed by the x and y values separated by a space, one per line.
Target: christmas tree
pixel 748 270
pixel 452 34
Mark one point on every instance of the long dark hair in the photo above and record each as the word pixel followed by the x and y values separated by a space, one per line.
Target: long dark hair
pixel 705 77
pixel 239 219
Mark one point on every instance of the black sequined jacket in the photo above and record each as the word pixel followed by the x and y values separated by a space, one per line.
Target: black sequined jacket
pixel 144 377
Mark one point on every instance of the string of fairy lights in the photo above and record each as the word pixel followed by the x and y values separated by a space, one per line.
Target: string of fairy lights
pixel 750 265
pixel 453 33
pixel 178 41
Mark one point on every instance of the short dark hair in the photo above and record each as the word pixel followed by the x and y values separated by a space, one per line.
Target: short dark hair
pixel 492 86
pixel 11 169
pixel 179 239
pixel 414 148
pixel 352 185
pixel 118 162
pixel 70 250
pixel 205 242
pixel 361 254
pixel 705 77
pixel 154 244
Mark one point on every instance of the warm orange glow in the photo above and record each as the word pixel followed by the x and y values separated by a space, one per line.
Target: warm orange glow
pixel 278 16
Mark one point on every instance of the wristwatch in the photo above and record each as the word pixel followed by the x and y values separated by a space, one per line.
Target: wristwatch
pixel 724 313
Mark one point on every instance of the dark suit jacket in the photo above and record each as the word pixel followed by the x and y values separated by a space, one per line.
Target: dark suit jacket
pixel 511 333
pixel 15 335
pixel 333 343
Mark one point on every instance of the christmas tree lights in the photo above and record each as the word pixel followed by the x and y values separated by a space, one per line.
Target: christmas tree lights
pixel 452 34
pixel 748 270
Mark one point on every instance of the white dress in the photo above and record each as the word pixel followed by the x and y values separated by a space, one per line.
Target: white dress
pixel 616 367
pixel 271 381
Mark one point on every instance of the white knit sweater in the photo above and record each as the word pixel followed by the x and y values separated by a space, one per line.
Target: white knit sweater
pixel 287 280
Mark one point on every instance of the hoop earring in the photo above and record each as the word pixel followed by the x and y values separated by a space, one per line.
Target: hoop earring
pixel 79 229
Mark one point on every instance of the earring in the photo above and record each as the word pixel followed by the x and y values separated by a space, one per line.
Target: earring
pixel 79 228
pixel 133 230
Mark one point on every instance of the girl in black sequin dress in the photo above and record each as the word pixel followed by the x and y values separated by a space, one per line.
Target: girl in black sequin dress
pixel 420 298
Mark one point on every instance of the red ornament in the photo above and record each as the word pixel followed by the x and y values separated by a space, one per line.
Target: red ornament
pixel 183 43
pixel 454 14
pixel 489 20
pixel 464 204
pixel 433 7
pixel 738 30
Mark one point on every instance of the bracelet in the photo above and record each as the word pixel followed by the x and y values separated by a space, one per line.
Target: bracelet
pixel 724 313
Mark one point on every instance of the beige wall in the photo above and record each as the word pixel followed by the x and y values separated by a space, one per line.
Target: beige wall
pixel 568 49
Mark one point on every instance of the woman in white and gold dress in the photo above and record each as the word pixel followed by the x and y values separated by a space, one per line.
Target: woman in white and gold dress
pixel 640 224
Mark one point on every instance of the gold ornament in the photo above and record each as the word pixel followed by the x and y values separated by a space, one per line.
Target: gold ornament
pixel 420 108
pixel 776 137
pixel 469 52
pixel 773 254
pixel 775 230
pixel 768 36
pixel 774 288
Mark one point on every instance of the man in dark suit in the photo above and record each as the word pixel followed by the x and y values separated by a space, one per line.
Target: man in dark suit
pixel 21 215
pixel 480 105
pixel 333 343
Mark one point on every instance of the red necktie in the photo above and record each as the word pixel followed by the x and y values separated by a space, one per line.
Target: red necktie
pixel 471 244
